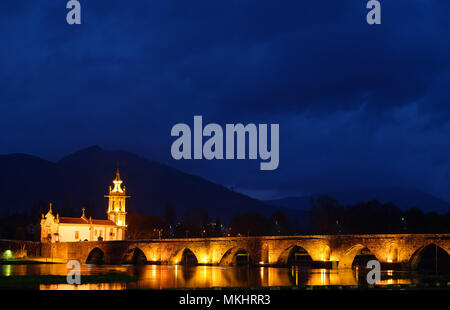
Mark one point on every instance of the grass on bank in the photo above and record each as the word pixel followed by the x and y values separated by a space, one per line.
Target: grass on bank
pixel 31 260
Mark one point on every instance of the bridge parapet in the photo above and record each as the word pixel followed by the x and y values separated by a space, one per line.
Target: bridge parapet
pixel 273 250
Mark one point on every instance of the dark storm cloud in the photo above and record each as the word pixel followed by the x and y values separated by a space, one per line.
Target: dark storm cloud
pixel 358 105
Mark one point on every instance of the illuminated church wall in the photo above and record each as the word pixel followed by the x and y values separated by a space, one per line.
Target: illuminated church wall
pixel 68 233
pixel 68 229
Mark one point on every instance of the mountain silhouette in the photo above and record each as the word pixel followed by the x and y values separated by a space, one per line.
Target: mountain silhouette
pixel 29 183
pixel 404 198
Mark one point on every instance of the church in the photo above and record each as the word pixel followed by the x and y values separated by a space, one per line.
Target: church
pixel 70 229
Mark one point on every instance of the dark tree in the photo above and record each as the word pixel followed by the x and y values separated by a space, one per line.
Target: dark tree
pixel 170 214
pixel 326 215
pixel 196 221
pixel 20 233
pixel 218 228
pixel 435 223
pixel 146 227
pixel 415 221
pixel 372 217
pixel 249 224
pixel 180 230
pixel 280 224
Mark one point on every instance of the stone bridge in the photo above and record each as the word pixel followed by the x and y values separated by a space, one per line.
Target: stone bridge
pixel 334 250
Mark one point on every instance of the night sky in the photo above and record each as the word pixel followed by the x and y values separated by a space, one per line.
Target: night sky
pixel 358 105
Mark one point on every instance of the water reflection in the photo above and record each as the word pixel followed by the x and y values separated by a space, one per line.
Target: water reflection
pixel 168 276
pixel 84 287
pixel 6 270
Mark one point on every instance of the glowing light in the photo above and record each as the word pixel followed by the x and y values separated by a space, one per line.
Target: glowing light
pixel 8 254
pixel 261 262
pixel 117 184
pixel 389 260
pixel 204 258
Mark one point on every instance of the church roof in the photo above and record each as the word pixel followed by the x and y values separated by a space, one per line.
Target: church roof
pixel 103 222
pixel 73 220
pixel 81 220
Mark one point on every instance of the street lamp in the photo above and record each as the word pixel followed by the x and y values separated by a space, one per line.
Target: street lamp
pixel 159 232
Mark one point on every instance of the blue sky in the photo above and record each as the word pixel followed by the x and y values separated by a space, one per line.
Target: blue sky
pixel 358 105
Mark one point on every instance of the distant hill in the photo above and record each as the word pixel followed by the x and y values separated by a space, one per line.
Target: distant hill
pixel 293 203
pixel 404 198
pixel 82 179
pixel 28 183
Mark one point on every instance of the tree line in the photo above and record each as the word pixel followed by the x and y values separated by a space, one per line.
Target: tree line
pixel 326 216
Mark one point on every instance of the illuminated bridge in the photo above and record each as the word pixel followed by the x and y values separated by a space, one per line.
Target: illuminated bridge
pixel 336 251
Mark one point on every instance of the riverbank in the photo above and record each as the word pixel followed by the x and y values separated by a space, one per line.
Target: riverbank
pixel 31 260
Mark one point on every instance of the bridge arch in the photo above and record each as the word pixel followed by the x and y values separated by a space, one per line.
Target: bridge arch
pixel 294 255
pixel 184 256
pixel 134 256
pixel 236 256
pixel 430 257
pixel 96 257
pixel 353 254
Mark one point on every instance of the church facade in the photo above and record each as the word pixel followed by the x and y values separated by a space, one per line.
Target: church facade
pixel 71 229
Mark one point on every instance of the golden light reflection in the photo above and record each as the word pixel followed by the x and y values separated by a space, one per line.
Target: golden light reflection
pixel 322 277
pixel 83 287
pixel 177 276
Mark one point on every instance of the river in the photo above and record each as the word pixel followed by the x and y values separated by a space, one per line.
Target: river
pixel 174 276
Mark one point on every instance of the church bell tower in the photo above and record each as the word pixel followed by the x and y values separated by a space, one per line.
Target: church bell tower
pixel 116 202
